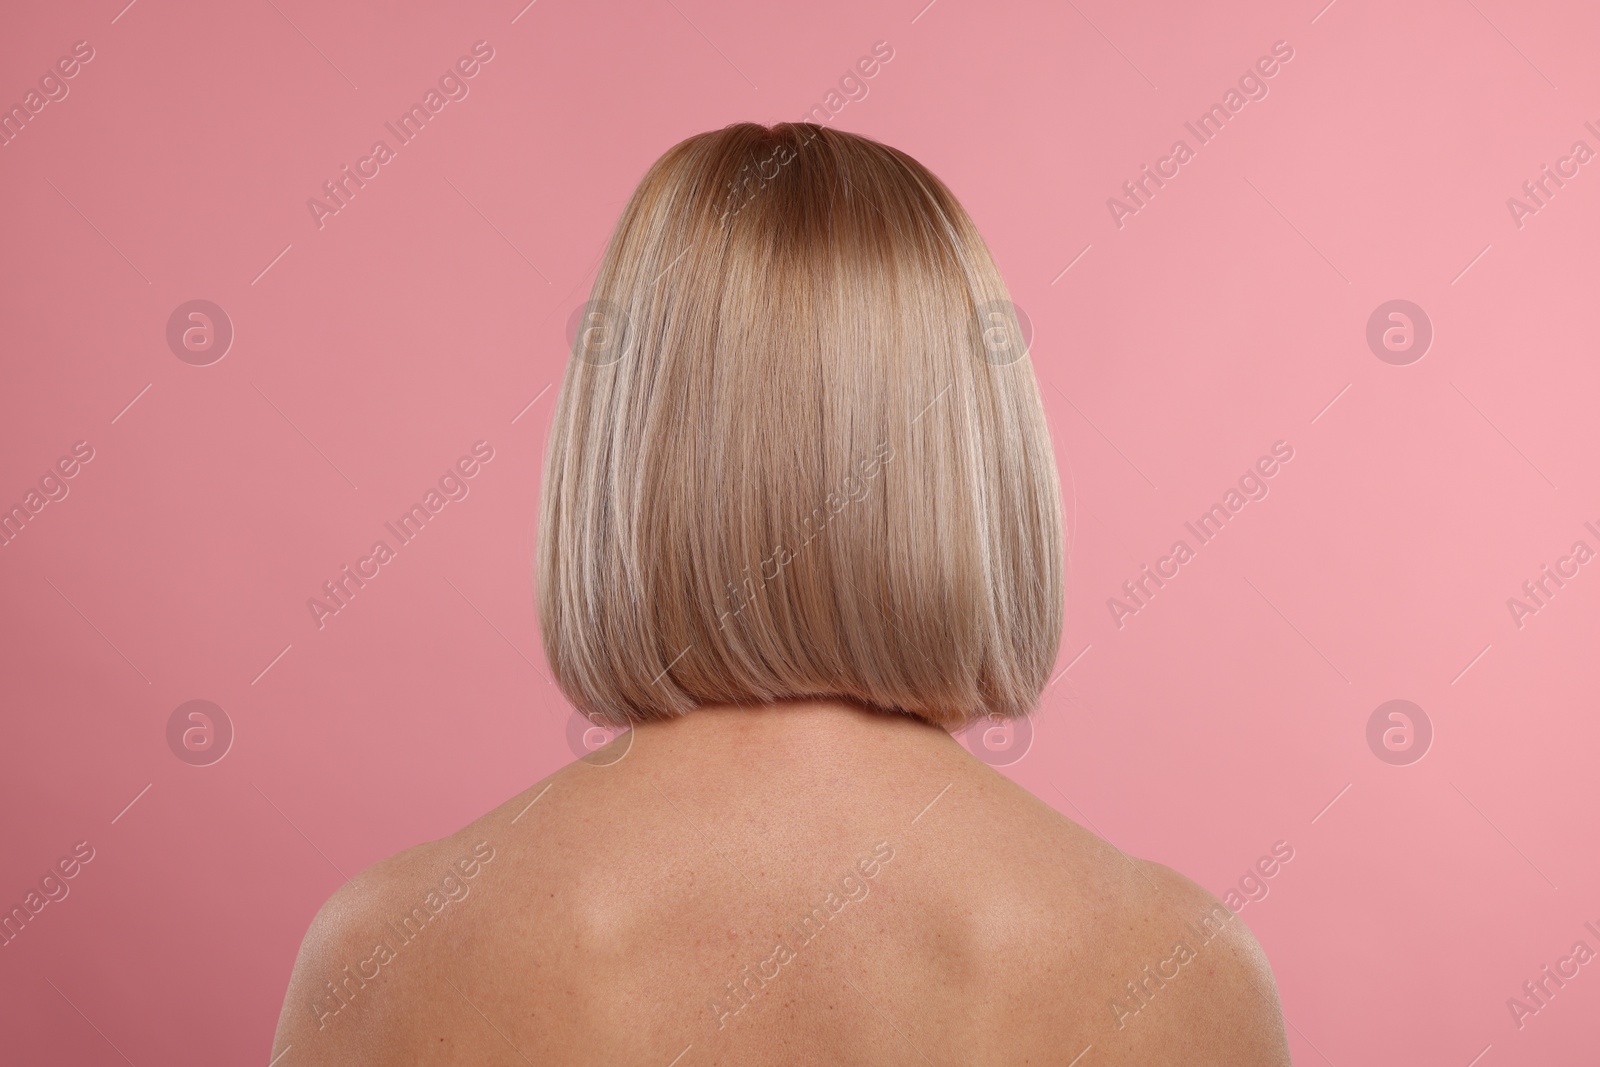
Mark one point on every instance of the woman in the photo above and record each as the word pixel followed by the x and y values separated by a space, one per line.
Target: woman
pixel 800 520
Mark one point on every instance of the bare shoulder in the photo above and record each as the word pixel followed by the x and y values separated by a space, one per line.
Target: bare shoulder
pixel 1156 969
pixel 1193 985
pixel 399 964
pixel 366 981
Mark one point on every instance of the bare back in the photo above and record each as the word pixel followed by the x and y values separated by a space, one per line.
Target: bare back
pixel 791 885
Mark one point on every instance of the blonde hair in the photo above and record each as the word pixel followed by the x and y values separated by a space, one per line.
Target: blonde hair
pixel 799 449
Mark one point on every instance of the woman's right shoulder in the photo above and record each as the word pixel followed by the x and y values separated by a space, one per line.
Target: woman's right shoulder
pixel 1198 985
pixel 1174 975
pixel 1165 971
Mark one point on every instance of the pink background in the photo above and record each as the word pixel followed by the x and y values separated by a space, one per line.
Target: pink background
pixel 1229 313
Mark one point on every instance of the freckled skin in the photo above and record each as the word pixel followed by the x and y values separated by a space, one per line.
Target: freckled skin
pixel 626 903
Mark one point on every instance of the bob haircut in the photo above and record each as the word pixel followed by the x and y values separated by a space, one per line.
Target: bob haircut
pixel 799 450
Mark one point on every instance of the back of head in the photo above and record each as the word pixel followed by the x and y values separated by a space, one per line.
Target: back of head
pixel 799 449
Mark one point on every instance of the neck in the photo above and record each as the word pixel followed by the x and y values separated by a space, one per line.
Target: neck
pixel 806 726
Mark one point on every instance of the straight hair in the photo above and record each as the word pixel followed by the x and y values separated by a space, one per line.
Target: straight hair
pixel 799 450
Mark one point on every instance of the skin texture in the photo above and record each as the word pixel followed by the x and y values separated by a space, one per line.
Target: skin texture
pixel 623 897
